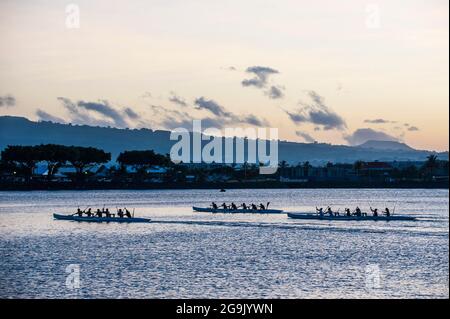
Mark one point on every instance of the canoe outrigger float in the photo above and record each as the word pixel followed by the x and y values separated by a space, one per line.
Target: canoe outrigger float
pixel 237 211
pixel 346 218
pixel 101 219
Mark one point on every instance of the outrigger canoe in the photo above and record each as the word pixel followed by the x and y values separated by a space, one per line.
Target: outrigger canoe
pixel 101 219
pixel 237 211
pixel 346 218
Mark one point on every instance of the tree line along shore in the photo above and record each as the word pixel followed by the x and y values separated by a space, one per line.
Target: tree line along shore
pixel 51 166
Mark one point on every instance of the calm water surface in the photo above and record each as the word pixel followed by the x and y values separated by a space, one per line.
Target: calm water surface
pixel 184 254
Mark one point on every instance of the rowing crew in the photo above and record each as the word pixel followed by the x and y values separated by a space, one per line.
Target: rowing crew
pixel 244 206
pixel 357 212
pixel 103 213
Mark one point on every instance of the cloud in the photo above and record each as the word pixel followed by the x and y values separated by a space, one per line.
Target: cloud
pixel 79 116
pixel 316 97
pixel 177 100
pixel 306 137
pixel 379 121
pixel 147 94
pixel 363 135
pixel 106 110
pixel 131 114
pixel 165 112
pixel 210 122
pixel 413 128
pixel 275 92
pixel 260 81
pixel 171 119
pixel 212 106
pixel 7 100
pixel 228 117
pixel 298 117
pixel 253 120
pixel 44 116
pixel 99 113
pixel 219 117
pixel 172 123
pixel 318 114
pixel 261 75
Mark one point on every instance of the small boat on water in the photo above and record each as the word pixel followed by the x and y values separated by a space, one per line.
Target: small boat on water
pixel 349 218
pixel 93 219
pixel 236 211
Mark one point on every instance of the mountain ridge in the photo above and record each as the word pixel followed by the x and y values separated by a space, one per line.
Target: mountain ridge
pixel 386 145
pixel 22 131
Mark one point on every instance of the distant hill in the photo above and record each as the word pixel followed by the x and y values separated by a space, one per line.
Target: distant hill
pixel 21 131
pixel 386 145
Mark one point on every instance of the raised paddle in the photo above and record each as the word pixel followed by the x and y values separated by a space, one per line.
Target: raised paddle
pixel 84 210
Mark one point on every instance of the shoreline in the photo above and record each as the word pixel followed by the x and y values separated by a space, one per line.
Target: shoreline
pixel 57 186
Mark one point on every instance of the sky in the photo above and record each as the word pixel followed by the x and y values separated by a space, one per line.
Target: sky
pixel 339 72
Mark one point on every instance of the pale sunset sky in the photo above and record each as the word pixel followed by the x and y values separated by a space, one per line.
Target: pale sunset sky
pixel 339 72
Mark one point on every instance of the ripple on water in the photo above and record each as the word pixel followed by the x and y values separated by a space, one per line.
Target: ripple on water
pixel 191 255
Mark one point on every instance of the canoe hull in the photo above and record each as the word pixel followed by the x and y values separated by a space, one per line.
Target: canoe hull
pixel 349 218
pixel 237 211
pixel 101 219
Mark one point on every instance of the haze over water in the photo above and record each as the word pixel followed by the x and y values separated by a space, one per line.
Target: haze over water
pixel 185 254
